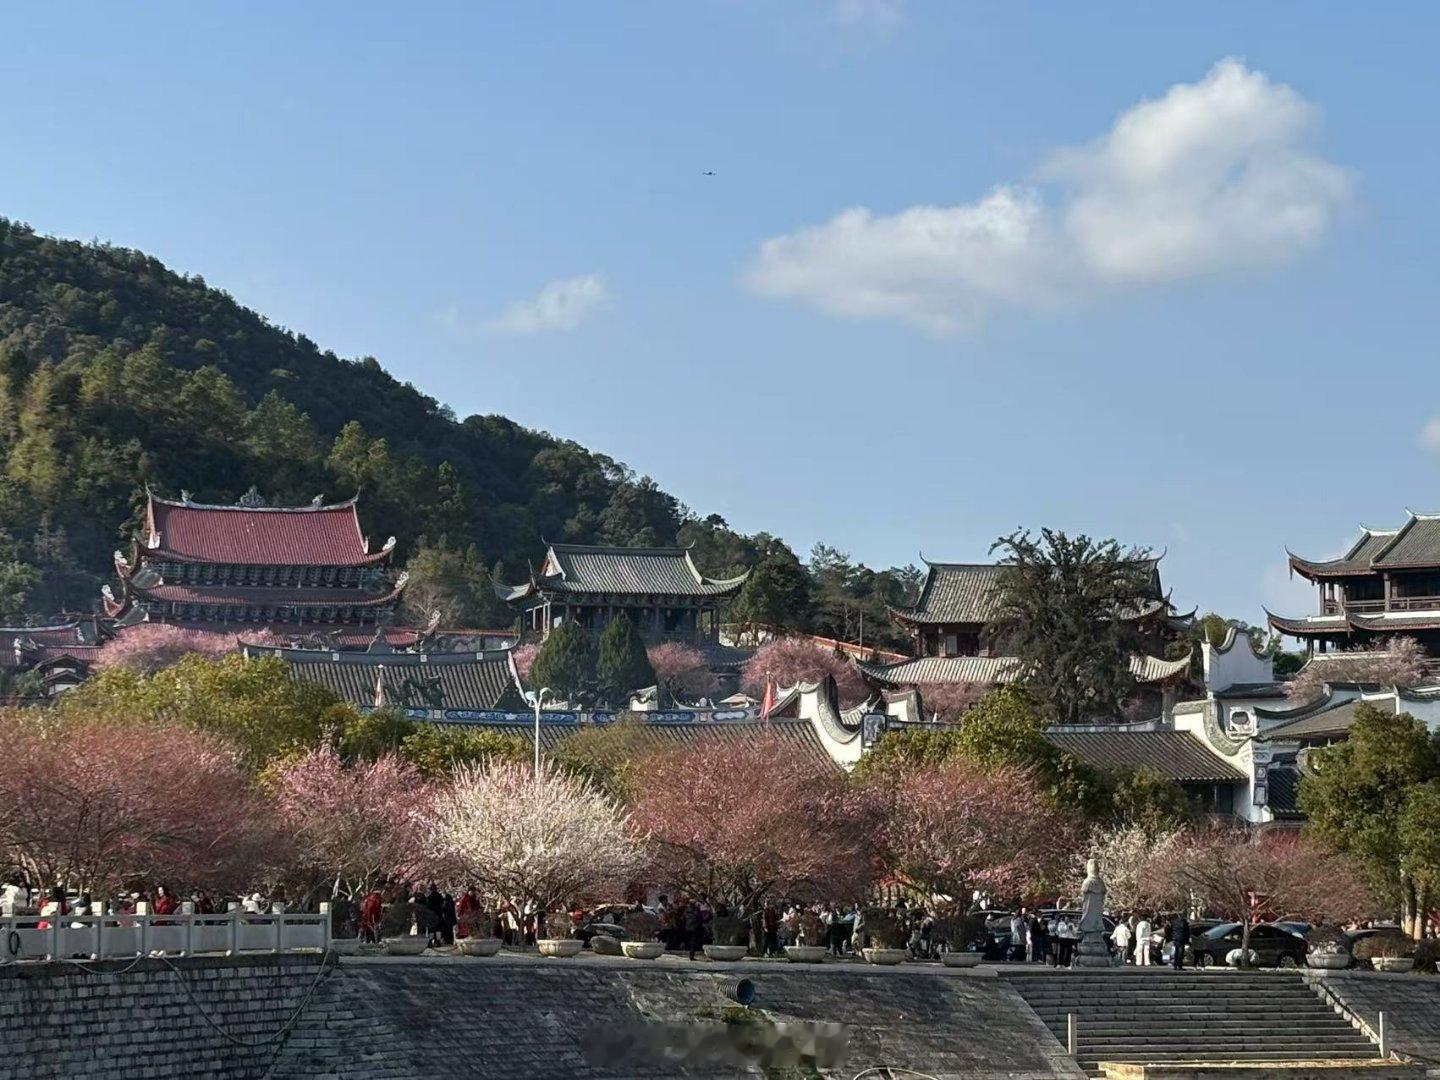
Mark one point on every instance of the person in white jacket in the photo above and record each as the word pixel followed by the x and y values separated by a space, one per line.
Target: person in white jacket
pixel 1142 941
pixel 1120 938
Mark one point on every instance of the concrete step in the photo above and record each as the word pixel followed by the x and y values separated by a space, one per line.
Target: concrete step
pixel 1227 1028
pixel 1226 1047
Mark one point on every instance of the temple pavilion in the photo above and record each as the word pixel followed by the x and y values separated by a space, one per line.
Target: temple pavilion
pixel 660 589
pixel 954 623
pixel 286 567
pixel 1387 582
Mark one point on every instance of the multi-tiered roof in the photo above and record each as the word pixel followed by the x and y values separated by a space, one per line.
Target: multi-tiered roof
pixel 1386 582
pixel 201 564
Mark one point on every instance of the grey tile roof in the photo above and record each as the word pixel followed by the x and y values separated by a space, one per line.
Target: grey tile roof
pixel 479 681
pixel 589 569
pixel 798 735
pixel 1415 543
pixel 943 669
pixel 1252 690
pixel 1150 669
pixel 956 593
pixel 1325 723
pixel 1177 755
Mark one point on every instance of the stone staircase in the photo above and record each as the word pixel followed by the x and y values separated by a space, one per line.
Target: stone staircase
pixel 1156 1016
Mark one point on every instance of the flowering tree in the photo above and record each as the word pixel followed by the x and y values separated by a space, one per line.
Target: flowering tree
pixel 352 824
pixel 948 702
pixel 94 804
pixel 681 671
pixel 148 647
pixel 547 840
pixel 953 829
pixel 737 823
pixel 1397 661
pixel 788 660
pixel 1247 874
pixel 1138 865
pixel 524 657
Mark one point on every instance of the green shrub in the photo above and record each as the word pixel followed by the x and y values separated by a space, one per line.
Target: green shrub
pixel 1386 944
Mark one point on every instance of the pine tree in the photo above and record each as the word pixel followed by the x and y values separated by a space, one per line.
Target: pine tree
pixel 566 661
pixel 622 666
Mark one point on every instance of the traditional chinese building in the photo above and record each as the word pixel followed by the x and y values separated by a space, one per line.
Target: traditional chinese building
pixel 958 639
pixel 1387 582
pixel 286 567
pixel 439 686
pixel 660 589
pixel 59 654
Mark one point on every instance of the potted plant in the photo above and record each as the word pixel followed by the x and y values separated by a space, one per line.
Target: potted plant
pixel 809 947
pixel 887 937
pixel 729 938
pixel 400 933
pixel 559 939
pixel 1328 949
pixel 642 933
pixel 960 933
pixel 1389 950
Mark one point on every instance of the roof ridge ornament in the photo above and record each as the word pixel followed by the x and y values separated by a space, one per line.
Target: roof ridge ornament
pixel 252 499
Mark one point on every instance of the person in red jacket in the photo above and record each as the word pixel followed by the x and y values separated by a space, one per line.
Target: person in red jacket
pixel 467 912
pixel 370 910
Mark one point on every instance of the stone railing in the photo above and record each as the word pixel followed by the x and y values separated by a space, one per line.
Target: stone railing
pixel 121 937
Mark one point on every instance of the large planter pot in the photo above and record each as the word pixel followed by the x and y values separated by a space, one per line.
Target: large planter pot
pixel 961 959
pixel 605 945
pixel 1328 961
pixel 345 946
pixel 409 945
pixel 643 950
pixel 560 946
pixel 884 957
pixel 805 954
pixel 1395 964
pixel 726 952
pixel 479 946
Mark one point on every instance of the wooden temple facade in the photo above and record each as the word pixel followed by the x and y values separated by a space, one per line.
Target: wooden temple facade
pixel 660 589
pixel 286 567
pixel 1387 583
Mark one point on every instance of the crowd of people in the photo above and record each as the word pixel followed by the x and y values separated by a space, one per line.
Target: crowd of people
pixel 1052 936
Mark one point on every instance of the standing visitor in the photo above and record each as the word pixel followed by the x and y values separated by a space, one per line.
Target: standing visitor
pixel 694 924
pixel 164 901
pixel 448 918
pixel 1120 938
pixel 467 911
pixel 1142 940
pixel 770 928
pixel 370 911
pixel 1179 938
pixel 1017 935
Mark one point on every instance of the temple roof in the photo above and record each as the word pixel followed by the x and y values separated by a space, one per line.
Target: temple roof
pixel 1413 545
pixel 248 534
pixel 590 570
pixel 1333 625
pixel 969 593
pixel 933 670
pixel 1331 721
pixel 268 596
pixel 1176 755
pixel 478 681
pixel 1309 626
pixel 955 593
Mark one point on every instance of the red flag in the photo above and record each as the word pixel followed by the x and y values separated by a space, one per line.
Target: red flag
pixel 767 703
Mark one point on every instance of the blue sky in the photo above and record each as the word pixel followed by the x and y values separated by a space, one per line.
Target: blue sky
pixel 1205 324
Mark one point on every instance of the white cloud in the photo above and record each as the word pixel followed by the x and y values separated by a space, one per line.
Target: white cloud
pixel 1213 177
pixel 562 304
pixel 880 15
pixel 1430 434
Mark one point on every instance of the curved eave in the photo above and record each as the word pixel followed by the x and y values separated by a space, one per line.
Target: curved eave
pixel 300 602
pixel 162 554
pixel 1306 627
pixel 512 593
pixel 1393 626
pixel 1311 569
pixel 1153 669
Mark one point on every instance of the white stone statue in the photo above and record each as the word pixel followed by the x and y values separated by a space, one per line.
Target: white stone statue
pixel 1092 900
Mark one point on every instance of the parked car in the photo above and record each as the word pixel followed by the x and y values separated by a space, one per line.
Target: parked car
pixel 1273 946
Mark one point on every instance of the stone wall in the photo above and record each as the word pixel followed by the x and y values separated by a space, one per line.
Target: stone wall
pixel 148 1019
pixel 514 1017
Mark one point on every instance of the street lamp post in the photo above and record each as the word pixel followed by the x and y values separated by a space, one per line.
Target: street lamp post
pixel 539 698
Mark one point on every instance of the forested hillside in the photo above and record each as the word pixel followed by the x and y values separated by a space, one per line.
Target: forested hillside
pixel 116 372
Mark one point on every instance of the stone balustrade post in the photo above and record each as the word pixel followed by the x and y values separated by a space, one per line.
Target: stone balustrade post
pixel 187 912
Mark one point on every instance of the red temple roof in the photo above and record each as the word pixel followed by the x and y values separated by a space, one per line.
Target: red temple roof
pixel 313 535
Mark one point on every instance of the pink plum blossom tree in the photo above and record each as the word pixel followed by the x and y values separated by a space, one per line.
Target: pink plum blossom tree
pixel 524 657
pixel 353 824
pixel 738 823
pixel 682 671
pixel 148 647
pixel 789 660
pixel 1396 661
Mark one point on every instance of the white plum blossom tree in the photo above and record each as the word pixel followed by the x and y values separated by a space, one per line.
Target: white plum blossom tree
pixel 545 840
